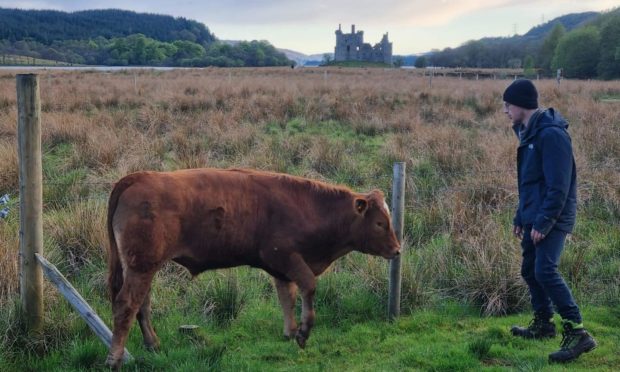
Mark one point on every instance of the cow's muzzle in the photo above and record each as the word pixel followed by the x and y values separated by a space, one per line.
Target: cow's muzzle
pixel 393 254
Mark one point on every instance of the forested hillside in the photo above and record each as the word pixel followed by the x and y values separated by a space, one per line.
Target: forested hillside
pixel 46 26
pixel 584 45
pixel 119 37
pixel 569 22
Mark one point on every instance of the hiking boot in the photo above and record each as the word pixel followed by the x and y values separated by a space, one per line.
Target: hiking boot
pixel 540 327
pixel 575 341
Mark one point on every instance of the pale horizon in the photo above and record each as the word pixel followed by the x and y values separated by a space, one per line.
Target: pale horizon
pixel 413 26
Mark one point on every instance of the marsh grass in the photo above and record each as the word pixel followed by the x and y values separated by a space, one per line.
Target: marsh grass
pixel 346 129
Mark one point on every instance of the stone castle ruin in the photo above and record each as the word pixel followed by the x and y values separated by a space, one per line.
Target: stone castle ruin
pixel 351 47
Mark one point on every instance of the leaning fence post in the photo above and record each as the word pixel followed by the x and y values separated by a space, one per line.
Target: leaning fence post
pixel 398 219
pixel 30 199
pixel 79 304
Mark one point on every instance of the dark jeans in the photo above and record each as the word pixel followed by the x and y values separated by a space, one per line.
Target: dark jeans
pixel 540 271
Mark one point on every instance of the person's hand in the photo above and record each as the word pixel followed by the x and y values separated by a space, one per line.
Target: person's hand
pixel 517 231
pixel 536 236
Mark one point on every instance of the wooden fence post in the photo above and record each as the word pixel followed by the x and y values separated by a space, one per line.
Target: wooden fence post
pixel 30 199
pixel 398 219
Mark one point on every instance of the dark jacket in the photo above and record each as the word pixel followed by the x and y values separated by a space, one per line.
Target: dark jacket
pixel 546 174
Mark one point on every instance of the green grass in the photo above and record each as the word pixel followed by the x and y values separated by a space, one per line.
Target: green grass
pixel 445 338
pixel 608 97
pixel 240 320
pixel 333 143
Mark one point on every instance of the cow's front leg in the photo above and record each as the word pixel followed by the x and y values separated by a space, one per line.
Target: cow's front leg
pixel 300 273
pixel 293 266
pixel 287 293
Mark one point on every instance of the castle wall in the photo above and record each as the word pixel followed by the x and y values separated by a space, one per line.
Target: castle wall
pixel 351 47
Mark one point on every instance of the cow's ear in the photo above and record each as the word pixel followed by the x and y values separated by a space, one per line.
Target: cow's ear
pixel 361 205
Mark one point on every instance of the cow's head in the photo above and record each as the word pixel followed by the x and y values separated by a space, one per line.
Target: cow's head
pixel 373 228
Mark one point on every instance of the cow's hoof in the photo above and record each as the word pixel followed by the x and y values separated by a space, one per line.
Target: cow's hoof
pixel 290 333
pixel 301 340
pixel 113 363
pixel 152 345
pixel 153 348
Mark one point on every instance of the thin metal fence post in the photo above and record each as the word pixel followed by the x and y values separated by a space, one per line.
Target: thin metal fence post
pixel 398 219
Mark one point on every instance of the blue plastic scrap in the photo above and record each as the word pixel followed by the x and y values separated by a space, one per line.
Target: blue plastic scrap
pixel 4 200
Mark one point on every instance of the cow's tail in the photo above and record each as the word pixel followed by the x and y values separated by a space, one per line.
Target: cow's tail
pixel 115 269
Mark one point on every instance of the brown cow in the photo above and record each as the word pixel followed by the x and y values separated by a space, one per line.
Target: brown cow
pixel 291 227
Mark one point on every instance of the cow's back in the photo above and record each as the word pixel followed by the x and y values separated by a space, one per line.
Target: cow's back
pixel 213 218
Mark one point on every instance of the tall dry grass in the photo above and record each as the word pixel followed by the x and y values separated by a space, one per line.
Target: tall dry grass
pixel 345 125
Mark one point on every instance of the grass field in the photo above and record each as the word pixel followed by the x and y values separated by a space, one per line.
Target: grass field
pixel 461 284
pixel 358 64
pixel 351 334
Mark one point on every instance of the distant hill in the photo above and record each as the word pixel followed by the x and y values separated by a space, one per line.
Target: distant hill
pixel 298 57
pixel 123 38
pixel 316 59
pixel 511 52
pixel 46 26
pixel 569 21
pixel 304 59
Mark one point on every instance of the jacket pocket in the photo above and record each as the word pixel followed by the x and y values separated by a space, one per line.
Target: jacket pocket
pixel 530 198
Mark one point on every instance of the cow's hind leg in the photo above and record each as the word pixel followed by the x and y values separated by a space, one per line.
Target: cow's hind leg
pixel 151 341
pixel 308 288
pixel 125 307
pixel 287 293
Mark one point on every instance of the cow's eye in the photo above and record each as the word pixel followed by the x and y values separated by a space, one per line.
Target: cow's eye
pixel 380 224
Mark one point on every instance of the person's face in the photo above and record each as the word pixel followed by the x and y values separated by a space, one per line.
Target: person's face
pixel 514 113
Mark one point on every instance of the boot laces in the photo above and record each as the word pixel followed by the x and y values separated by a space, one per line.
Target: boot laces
pixel 536 323
pixel 567 339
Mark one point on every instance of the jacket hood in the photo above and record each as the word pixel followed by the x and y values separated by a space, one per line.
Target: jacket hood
pixel 540 120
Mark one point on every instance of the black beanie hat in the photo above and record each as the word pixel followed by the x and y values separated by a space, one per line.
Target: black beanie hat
pixel 522 93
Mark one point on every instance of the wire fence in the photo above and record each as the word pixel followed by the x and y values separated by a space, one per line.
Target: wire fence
pixel 419 196
pixel 441 182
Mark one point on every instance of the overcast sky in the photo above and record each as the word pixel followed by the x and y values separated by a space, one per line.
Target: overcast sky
pixel 414 26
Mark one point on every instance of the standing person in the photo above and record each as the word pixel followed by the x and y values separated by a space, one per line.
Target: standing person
pixel 546 214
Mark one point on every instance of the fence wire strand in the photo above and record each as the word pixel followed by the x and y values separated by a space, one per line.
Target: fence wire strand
pixel 423 194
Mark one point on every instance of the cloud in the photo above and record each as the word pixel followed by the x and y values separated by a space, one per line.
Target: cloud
pixel 393 12
pixel 285 11
pixel 414 13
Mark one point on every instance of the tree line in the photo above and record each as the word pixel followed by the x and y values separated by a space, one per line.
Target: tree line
pixel 125 38
pixel 139 50
pixel 591 50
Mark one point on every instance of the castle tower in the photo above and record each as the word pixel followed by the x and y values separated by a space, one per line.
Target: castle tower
pixel 351 47
pixel 348 46
pixel 386 47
